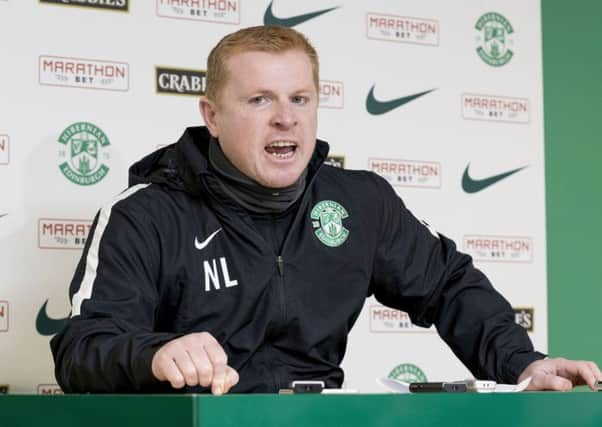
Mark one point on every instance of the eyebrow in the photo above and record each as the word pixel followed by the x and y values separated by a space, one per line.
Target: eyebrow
pixel 272 93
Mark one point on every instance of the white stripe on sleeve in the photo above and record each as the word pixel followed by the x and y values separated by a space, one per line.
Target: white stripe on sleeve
pixel 85 288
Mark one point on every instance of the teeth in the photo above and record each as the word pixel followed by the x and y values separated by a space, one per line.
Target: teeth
pixel 282 156
pixel 281 144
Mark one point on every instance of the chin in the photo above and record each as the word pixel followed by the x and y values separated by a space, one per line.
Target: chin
pixel 280 181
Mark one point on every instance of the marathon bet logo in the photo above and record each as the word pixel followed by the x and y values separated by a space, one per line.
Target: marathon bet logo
pixel 524 316
pixel 327 219
pixel 385 319
pixel 495 108
pixel 407 173
pixel 62 233
pixel 83 149
pixel 220 11
pixel 407 372
pixel 499 248
pixel 331 94
pixel 117 5
pixel 335 161
pixel 84 73
pixel 494 39
pixel 402 29
pixel 3 316
pixel 49 389
pixel 180 81
pixel 4 150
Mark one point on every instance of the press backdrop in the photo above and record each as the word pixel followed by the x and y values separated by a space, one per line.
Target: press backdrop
pixel 89 86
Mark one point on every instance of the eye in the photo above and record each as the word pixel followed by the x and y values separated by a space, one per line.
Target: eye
pixel 258 100
pixel 298 99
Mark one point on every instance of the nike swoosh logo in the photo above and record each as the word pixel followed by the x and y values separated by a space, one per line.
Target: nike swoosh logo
pixel 46 325
pixel 202 245
pixel 376 107
pixel 1 215
pixel 471 185
pixel 270 19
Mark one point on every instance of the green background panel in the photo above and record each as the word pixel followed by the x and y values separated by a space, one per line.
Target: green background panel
pixel 572 64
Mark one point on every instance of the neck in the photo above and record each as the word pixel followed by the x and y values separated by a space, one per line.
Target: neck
pixel 248 193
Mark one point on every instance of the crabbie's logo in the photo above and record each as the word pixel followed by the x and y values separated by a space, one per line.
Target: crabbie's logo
pixel 62 233
pixel 4 150
pixel 180 81
pixel 407 372
pixel 219 11
pixel 331 94
pixel 403 29
pixel 495 108
pixel 327 219
pixel 49 389
pixel 84 148
pixel 335 161
pixel 525 317
pixel 499 248
pixel 385 319
pixel 84 73
pixel 3 316
pixel 117 5
pixel 407 173
pixel 494 38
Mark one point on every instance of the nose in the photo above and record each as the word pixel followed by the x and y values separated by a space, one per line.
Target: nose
pixel 283 116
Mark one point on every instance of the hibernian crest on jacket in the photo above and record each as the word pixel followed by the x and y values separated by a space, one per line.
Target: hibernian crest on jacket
pixel 327 219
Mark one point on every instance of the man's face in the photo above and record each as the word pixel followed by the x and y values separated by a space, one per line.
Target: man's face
pixel 266 115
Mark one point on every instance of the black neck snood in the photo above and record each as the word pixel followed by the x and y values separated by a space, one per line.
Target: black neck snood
pixel 246 192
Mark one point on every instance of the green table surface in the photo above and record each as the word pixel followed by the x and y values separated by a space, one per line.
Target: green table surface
pixel 415 410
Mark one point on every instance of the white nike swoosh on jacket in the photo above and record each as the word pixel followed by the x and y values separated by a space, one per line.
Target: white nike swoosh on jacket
pixel 202 245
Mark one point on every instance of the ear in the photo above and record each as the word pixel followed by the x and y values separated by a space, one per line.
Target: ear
pixel 209 112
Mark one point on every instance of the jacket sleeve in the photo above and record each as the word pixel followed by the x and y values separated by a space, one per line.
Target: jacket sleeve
pixel 420 271
pixel 108 343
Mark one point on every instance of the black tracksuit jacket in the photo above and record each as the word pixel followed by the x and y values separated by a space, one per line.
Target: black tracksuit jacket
pixel 151 271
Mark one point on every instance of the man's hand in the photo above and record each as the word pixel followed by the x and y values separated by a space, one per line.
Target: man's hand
pixel 561 374
pixel 194 359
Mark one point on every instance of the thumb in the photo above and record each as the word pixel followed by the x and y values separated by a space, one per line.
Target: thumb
pixel 231 378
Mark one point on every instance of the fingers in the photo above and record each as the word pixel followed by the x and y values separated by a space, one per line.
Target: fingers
pixel 194 359
pixel 203 366
pixel 597 373
pixel 219 361
pixel 561 374
pixel 187 368
pixel 165 369
pixel 544 381
pixel 584 372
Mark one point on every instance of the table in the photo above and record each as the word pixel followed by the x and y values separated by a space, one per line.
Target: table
pixel 530 409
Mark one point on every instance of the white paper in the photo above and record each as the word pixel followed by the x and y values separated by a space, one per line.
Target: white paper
pixel 509 388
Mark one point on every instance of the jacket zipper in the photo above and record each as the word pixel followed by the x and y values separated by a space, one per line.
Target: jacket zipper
pixel 280 264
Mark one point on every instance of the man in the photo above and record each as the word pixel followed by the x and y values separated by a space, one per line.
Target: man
pixel 237 261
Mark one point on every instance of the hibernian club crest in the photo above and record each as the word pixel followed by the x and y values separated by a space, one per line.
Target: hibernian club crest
pixel 327 219
pixel 407 372
pixel 494 38
pixel 84 147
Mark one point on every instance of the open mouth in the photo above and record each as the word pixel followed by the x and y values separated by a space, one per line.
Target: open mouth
pixel 281 149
